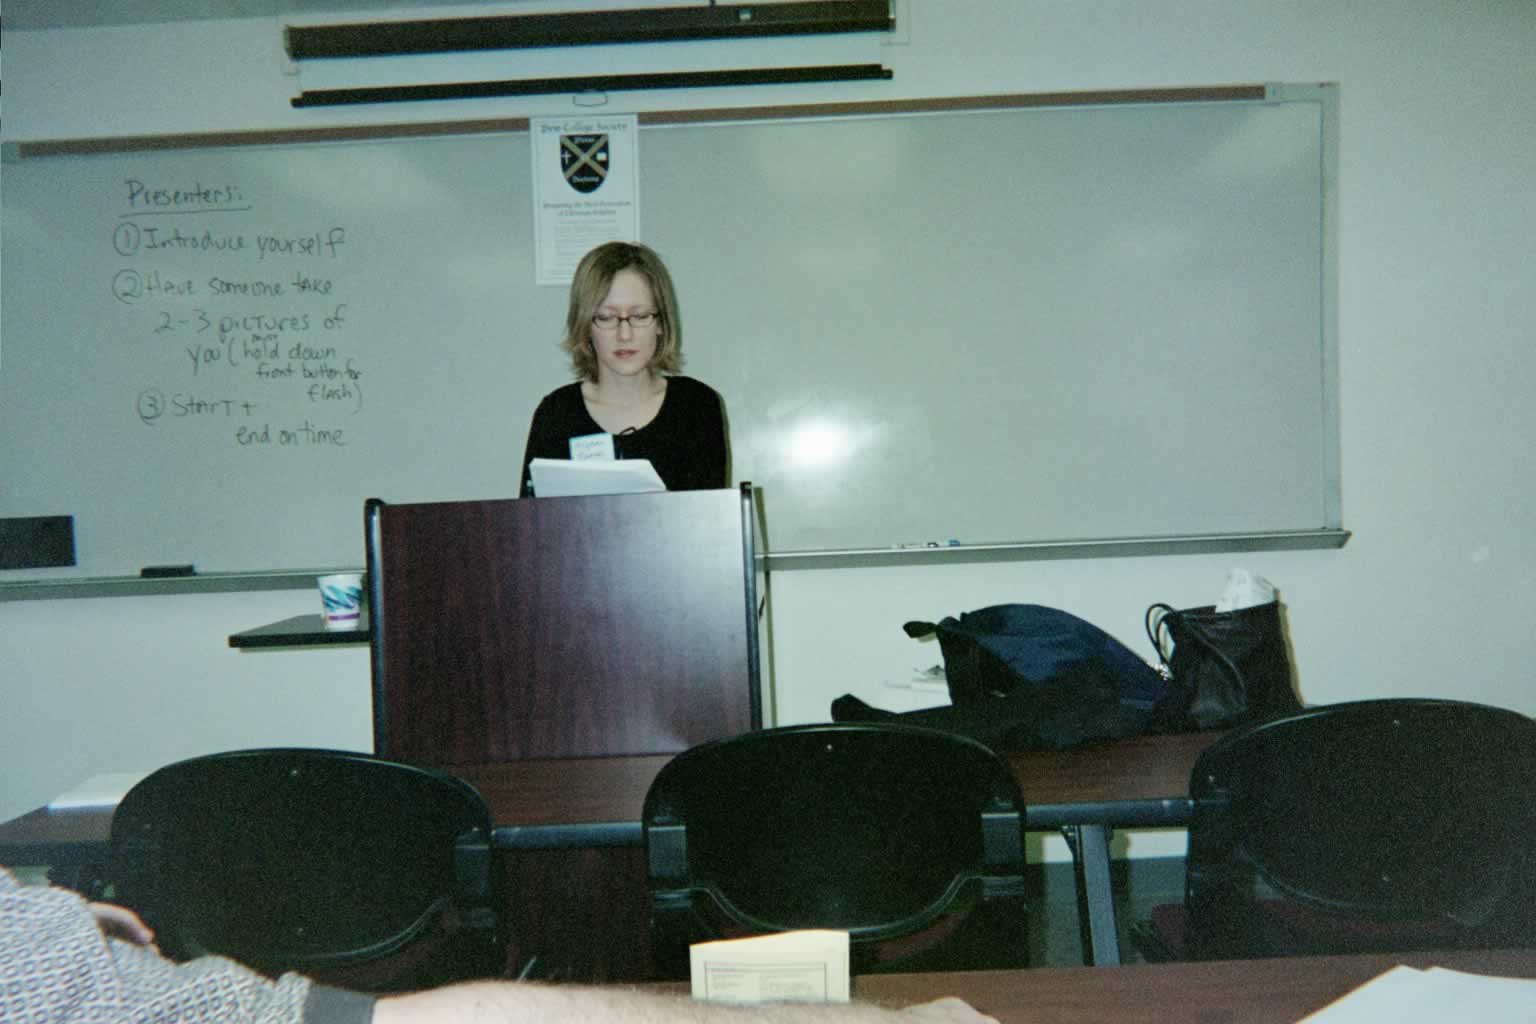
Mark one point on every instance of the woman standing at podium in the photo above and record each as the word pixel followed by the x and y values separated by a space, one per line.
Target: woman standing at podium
pixel 624 336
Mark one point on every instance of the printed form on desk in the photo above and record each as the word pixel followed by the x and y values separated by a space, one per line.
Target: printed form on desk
pixel 806 966
pixel 1407 995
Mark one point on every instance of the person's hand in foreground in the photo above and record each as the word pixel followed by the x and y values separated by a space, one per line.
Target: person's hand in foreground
pixel 118 922
pixel 509 1002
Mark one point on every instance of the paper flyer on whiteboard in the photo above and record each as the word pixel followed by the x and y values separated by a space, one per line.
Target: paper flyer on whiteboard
pixel 586 183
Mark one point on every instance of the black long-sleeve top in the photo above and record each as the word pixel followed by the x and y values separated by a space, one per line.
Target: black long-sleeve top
pixel 685 442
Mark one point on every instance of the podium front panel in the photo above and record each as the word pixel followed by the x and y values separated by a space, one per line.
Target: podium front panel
pixel 561 627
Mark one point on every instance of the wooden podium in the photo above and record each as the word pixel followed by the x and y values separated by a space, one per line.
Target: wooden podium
pixel 520 629
pixel 555 628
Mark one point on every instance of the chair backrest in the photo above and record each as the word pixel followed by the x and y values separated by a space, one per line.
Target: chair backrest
pixel 1383 824
pixel 562 627
pixel 891 832
pixel 340 865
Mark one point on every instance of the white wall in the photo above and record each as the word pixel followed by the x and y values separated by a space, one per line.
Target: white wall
pixel 127 684
pixel 1434 595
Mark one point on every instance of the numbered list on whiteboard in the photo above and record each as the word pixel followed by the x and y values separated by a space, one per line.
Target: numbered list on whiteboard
pixel 247 312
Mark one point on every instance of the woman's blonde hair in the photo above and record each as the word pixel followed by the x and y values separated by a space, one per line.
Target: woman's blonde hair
pixel 589 286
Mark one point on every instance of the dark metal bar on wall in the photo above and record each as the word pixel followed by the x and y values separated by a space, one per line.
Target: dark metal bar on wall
pixel 451 35
pixel 591 83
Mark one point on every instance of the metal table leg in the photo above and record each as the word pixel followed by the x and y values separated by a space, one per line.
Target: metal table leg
pixel 1095 893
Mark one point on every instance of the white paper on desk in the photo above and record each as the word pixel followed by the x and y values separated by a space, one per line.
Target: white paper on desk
pixel 806 966
pixel 1405 995
pixel 563 478
pixel 105 790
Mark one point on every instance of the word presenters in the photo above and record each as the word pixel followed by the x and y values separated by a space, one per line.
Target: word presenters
pixel 243 316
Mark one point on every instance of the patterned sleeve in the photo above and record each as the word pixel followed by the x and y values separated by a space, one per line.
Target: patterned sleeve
pixel 57 968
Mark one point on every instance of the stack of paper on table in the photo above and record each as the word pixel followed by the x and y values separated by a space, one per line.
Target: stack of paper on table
pixel 1405 995
pixel 105 790
pixel 801 967
pixel 562 478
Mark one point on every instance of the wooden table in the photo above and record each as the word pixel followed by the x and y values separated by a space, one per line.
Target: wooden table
pixel 1141 781
pixel 1280 991
pixel 1084 794
pixel 553 815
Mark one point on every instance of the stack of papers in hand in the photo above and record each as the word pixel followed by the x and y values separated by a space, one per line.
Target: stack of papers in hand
pixel 1406 995
pixel 789 967
pixel 562 478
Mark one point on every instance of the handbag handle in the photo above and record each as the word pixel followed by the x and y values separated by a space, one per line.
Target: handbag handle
pixel 1156 630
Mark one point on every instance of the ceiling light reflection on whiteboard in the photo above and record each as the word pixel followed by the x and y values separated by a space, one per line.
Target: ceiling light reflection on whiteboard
pixel 819 446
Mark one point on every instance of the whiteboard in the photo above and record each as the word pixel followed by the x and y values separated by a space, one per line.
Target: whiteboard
pixel 988 325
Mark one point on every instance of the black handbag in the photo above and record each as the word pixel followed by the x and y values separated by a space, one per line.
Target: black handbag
pixel 1225 667
pixel 1027 677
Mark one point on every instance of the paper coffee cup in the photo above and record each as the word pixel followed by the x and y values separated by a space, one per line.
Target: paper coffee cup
pixel 341 600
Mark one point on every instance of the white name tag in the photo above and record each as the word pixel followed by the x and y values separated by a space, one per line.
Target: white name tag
pixel 592 446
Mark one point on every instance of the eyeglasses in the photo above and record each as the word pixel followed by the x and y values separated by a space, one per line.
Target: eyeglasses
pixel 636 321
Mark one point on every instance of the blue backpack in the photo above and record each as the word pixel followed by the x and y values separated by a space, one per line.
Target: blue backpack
pixel 1028 677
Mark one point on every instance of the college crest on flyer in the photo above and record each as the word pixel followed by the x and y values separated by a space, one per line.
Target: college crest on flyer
pixel 586 189
pixel 584 161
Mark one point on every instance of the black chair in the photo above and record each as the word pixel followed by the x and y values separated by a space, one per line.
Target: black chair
pixel 1383 825
pixel 355 870
pixel 910 839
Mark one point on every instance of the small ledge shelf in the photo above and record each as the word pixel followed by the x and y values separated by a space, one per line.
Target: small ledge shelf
pixel 300 631
pixel 951 553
